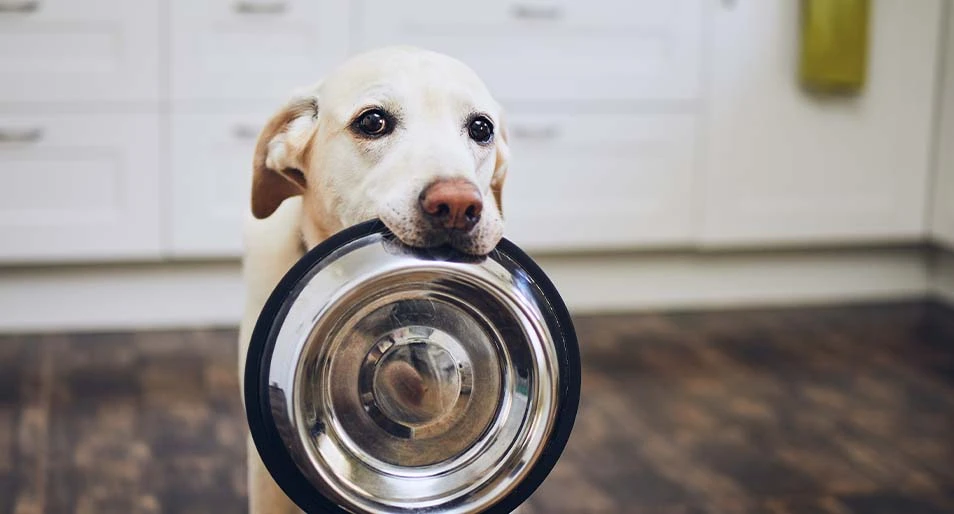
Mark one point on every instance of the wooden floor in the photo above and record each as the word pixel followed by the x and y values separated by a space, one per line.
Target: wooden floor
pixel 839 410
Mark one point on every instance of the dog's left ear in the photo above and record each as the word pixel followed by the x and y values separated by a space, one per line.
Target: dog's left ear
pixel 281 153
pixel 502 162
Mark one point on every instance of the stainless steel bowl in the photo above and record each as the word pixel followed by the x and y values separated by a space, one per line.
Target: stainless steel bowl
pixel 386 379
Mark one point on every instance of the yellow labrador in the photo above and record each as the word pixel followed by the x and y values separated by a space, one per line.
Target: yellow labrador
pixel 410 136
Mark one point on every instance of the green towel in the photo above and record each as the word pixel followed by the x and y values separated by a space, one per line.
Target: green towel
pixel 834 46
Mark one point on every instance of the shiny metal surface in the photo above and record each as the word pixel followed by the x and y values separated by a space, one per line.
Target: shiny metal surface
pixel 400 381
pixel 412 379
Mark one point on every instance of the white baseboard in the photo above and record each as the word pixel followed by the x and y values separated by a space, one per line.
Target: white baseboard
pixel 707 280
pixel 120 297
pixel 210 294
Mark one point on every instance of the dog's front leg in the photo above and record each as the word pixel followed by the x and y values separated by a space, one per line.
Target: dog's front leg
pixel 272 246
pixel 264 495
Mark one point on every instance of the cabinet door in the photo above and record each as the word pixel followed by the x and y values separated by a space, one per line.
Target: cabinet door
pixel 600 50
pixel 942 223
pixel 599 180
pixel 784 166
pixel 79 187
pixel 62 50
pixel 251 49
pixel 211 177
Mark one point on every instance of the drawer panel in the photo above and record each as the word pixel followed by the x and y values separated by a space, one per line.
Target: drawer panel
pixel 254 49
pixel 599 181
pixel 63 50
pixel 555 50
pixel 575 181
pixel 79 187
pixel 211 178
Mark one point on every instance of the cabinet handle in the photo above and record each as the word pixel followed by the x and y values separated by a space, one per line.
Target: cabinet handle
pixel 536 12
pixel 535 133
pixel 260 7
pixel 245 132
pixel 30 135
pixel 26 6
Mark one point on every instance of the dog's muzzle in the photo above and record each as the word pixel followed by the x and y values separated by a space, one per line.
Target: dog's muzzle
pixel 382 378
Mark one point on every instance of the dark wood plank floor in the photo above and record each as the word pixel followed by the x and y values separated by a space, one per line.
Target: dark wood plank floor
pixel 835 410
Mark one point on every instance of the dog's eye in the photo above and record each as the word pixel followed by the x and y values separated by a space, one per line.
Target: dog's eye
pixel 373 123
pixel 481 130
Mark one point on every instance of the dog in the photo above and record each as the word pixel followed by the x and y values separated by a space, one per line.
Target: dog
pixel 406 135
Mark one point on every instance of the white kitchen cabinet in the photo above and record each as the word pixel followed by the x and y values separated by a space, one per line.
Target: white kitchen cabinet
pixel 211 170
pixel 783 166
pixel 79 187
pixel 254 49
pixel 942 221
pixel 600 50
pixel 585 181
pixel 67 50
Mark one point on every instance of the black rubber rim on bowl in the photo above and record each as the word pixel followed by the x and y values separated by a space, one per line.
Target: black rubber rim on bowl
pixel 258 407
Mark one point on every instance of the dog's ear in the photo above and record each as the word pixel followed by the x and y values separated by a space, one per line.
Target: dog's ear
pixel 281 153
pixel 502 162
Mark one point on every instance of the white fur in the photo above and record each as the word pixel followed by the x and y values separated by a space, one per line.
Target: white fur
pixel 349 179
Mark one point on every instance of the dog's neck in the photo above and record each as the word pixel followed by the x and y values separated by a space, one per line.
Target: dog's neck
pixel 310 233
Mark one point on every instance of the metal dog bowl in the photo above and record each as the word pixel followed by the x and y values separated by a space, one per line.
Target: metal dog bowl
pixel 386 379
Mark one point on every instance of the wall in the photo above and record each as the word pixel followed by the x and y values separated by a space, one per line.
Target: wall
pixel 942 215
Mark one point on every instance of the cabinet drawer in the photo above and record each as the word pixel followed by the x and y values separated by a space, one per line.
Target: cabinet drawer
pixel 250 49
pixel 599 181
pixel 575 182
pixel 553 49
pixel 211 177
pixel 60 50
pixel 79 187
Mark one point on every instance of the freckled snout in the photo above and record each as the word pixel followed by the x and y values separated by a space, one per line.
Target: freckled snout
pixel 454 204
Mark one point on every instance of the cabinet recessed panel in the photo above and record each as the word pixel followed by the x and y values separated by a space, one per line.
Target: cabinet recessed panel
pixel 79 187
pixel 211 174
pixel 63 50
pixel 599 181
pixel 598 51
pixel 251 49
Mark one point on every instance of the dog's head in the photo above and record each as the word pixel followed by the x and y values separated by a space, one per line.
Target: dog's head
pixel 410 136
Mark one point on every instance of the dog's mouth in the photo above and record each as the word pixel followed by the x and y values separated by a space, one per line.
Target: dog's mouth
pixel 467 242
pixel 438 252
pixel 478 241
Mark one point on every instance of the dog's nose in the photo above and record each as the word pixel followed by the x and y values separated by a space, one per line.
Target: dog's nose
pixel 454 204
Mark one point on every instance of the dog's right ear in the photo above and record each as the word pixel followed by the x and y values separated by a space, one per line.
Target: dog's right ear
pixel 281 153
